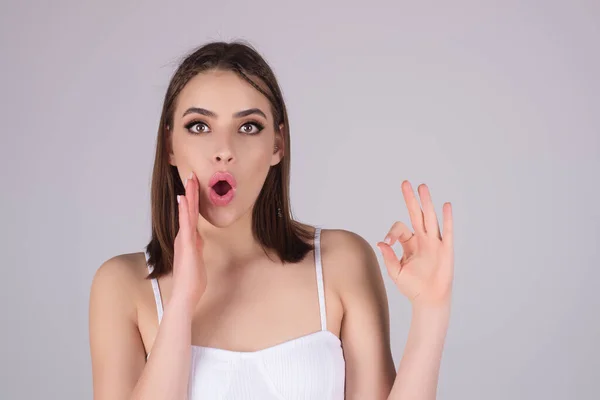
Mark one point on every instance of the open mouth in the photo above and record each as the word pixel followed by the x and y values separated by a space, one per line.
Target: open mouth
pixel 222 188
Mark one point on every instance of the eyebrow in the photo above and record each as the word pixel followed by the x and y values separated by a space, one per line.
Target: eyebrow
pixel 208 113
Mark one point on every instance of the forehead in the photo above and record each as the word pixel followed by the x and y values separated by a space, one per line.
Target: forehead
pixel 223 92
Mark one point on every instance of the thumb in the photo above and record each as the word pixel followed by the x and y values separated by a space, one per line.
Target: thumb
pixel 390 259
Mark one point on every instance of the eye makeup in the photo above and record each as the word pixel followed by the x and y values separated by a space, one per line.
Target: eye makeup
pixel 198 122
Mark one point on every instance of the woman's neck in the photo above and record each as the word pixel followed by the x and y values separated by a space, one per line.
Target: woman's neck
pixel 229 245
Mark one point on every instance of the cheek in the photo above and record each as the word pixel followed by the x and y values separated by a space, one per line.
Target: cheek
pixel 255 154
pixel 188 153
pixel 256 169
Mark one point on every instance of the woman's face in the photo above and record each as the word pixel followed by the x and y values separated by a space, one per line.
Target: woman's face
pixel 223 124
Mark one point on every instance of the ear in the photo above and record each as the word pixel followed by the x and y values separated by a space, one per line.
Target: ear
pixel 169 144
pixel 278 147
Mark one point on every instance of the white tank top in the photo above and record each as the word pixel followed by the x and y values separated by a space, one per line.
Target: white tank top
pixel 308 367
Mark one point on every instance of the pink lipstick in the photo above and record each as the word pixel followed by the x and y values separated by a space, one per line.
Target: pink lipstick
pixel 222 188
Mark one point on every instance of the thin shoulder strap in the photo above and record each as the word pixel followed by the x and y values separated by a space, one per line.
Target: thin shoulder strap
pixel 319 270
pixel 157 297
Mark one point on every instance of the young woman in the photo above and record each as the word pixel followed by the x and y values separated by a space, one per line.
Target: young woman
pixel 234 299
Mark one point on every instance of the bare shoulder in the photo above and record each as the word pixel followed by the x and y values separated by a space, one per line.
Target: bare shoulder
pixel 119 276
pixel 365 327
pixel 350 259
pixel 350 251
pixel 117 284
pixel 344 242
pixel 117 350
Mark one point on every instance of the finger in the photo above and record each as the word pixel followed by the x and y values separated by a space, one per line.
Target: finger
pixel 192 195
pixel 184 222
pixel 429 215
pixel 197 200
pixel 400 232
pixel 390 259
pixel 194 203
pixel 189 196
pixel 414 209
pixel 448 227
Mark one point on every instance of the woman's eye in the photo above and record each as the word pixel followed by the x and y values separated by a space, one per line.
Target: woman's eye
pixel 251 128
pixel 196 127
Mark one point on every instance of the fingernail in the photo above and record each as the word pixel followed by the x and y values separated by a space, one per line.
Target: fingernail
pixel 387 240
pixel 178 199
pixel 185 182
pixel 191 175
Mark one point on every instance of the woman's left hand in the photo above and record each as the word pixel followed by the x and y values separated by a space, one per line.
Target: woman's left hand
pixel 425 272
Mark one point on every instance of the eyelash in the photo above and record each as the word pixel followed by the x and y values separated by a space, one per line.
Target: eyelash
pixel 257 124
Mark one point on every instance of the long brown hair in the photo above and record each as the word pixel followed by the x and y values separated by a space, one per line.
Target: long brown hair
pixel 272 223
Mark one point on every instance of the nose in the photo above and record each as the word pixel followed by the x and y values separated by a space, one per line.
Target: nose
pixel 224 148
pixel 223 156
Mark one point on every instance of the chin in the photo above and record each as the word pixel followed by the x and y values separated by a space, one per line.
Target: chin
pixel 221 217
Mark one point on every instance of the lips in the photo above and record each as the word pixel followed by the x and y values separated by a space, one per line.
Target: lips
pixel 222 176
pixel 222 188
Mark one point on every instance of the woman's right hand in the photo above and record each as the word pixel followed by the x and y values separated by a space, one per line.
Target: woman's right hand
pixel 189 272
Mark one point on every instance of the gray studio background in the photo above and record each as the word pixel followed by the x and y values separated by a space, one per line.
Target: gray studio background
pixel 495 105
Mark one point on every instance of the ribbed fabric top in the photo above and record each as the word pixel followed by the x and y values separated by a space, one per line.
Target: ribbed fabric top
pixel 305 368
